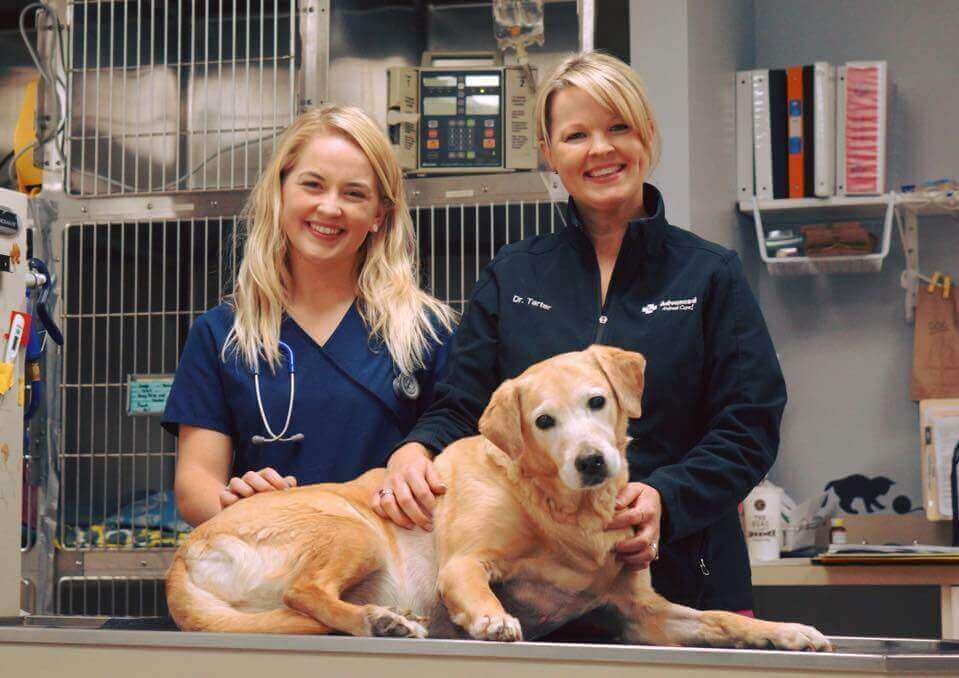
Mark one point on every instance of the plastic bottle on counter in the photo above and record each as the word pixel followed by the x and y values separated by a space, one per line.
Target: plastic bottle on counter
pixel 837 532
pixel 763 522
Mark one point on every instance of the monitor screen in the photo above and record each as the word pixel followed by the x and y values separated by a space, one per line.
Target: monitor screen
pixel 482 81
pixel 482 104
pixel 439 81
pixel 439 105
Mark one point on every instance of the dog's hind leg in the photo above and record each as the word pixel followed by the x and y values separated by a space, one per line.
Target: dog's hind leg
pixel 651 619
pixel 195 609
pixel 317 588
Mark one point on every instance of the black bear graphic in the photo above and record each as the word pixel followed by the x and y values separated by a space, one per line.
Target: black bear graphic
pixel 859 486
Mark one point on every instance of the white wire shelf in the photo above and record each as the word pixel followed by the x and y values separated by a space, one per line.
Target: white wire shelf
pixel 814 209
pixel 875 204
pixel 923 204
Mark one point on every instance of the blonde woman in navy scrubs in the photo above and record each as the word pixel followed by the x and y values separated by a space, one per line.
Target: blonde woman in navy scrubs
pixel 325 355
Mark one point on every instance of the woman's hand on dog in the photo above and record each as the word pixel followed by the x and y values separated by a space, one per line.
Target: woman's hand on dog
pixel 407 496
pixel 638 506
pixel 252 482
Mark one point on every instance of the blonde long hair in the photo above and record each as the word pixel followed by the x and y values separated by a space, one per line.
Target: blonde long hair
pixel 613 84
pixel 393 307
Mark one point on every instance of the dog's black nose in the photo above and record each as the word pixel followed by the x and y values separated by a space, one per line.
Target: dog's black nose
pixel 592 468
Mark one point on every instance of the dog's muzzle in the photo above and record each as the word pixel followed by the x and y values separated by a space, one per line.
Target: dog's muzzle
pixel 592 468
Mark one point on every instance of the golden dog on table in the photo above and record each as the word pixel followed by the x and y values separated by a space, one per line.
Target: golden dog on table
pixel 523 513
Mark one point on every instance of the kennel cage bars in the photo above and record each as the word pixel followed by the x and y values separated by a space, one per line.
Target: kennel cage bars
pixel 168 95
pixel 116 470
pixel 144 134
pixel 460 223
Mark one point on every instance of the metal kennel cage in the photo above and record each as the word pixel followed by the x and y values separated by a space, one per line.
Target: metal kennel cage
pixel 171 109
pixel 168 95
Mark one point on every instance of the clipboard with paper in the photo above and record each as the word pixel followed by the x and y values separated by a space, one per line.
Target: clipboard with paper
pixel 939 435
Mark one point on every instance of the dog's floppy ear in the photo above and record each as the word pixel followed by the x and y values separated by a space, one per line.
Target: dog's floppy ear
pixel 624 370
pixel 501 422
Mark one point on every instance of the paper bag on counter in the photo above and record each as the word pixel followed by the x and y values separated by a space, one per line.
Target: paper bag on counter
pixel 800 521
pixel 935 359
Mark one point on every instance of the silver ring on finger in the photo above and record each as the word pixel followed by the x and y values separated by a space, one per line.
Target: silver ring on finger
pixel 386 492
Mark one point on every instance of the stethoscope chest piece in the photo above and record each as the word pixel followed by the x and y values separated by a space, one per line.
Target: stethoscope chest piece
pixel 406 386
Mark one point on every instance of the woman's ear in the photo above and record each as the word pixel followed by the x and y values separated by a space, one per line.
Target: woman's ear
pixel 382 213
pixel 547 154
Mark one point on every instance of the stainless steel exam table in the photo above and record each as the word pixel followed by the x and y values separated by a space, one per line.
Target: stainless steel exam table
pixel 80 647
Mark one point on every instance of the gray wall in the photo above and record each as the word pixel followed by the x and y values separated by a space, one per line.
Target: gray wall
pixel 843 342
pixel 720 41
pixel 659 52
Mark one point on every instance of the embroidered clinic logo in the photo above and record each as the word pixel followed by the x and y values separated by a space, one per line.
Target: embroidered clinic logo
pixel 678 304
pixel 671 305
pixel 529 301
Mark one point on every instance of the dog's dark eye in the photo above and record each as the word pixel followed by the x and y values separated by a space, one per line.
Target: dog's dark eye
pixel 544 421
pixel 596 403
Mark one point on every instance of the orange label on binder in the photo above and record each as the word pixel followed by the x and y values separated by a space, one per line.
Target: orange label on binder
pixel 794 136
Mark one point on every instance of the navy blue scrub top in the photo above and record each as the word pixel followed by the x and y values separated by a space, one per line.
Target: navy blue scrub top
pixel 345 405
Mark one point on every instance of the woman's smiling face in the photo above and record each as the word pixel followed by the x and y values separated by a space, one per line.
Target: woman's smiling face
pixel 330 202
pixel 601 160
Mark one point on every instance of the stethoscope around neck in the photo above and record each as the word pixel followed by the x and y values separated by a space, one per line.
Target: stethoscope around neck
pixel 276 437
pixel 404 386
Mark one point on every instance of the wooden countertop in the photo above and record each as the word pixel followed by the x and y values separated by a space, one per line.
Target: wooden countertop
pixel 804 572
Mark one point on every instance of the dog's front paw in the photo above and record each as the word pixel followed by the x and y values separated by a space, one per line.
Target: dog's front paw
pixel 384 622
pixel 502 627
pixel 797 637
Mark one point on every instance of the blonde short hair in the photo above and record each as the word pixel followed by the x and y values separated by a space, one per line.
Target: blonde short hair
pixel 613 84
pixel 396 311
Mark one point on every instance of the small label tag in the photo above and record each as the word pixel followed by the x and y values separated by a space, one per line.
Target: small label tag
pixel 147 393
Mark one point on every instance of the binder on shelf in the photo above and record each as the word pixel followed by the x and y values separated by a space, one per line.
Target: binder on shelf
pixel 823 120
pixel 791 132
pixel 795 163
pixel 778 131
pixel 744 134
pixel 808 133
pixel 861 114
pixel 762 146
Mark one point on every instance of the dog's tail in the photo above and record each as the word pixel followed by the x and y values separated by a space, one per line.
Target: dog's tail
pixel 195 609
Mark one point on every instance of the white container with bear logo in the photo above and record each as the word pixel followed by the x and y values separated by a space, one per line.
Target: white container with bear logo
pixel 761 510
